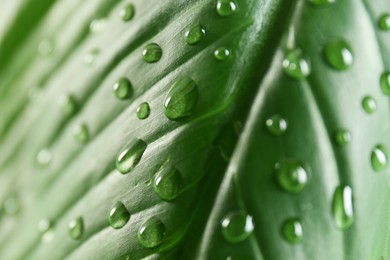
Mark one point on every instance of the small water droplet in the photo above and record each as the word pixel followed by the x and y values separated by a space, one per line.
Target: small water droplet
pixel 167 182
pixel 127 12
pixel 226 7
pixel 369 104
pixel 194 34
pixel 143 111
pixel 91 56
pixel 44 225
pixel 119 216
pixel 98 25
pixel 292 230
pixel 385 83
pixel 44 157
pixel 130 156
pixel 342 137
pixel 292 175
pixel 295 64
pixel 46 47
pixel 276 125
pixel 338 54
pixel 384 22
pixel 343 207
pixel 151 233
pixel 76 228
pixel 222 53
pixel 123 89
pixel 237 226
pixel 321 2
pixel 67 105
pixel 152 53
pixel 379 158
pixel 81 133
pixel 11 206
pixel 181 99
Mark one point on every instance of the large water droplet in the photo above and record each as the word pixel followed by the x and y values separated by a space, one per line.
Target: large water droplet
pixel 90 57
pixel 143 111
pixel 292 175
pixel 46 47
pixel 127 12
pixel 338 54
pixel 342 137
pixel 237 226
pixel 152 53
pixel 11 206
pixel 292 230
pixel 343 207
pixel 276 125
pixel 369 104
pixel 123 89
pixel 379 158
pixel 385 83
pixel 321 2
pixel 81 133
pixel 119 216
pixel 222 53
pixel 151 233
pixel 167 182
pixel 194 34
pixel 67 105
pixel 295 64
pixel 181 99
pixel 44 157
pixel 130 155
pixel 76 228
pixel 226 7
pixel 384 22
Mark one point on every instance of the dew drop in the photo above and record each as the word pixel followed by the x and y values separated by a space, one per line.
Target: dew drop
pixel 292 230
pixel 130 156
pixel 167 183
pixel 379 158
pixel 385 83
pixel 342 137
pixel 46 47
pixel 384 22
pixel 338 54
pixel 44 157
pixel 44 225
pixel 276 125
pixel 343 207
pixel 127 12
pixel 181 99
pixel 222 53
pixel 369 104
pixel 152 53
pixel 81 133
pixel 11 206
pixel 123 89
pixel 98 25
pixel 76 228
pixel 321 2
pixel 292 176
pixel 295 64
pixel 151 233
pixel 194 34
pixel 119 216
pixel 67 105
pixel 90 57
pixel 237 226
pixel 143 111
pixel 226 7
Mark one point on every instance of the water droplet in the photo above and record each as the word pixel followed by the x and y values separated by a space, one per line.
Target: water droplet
pixel 342 137
pixel 44 225
pixel 321 2
pixel 152 53
pixel 384 22
pixel 130 156
pixel 379 158
pixel 369 104
pixel 181 99
pixel 292 230
pixel 119 216
pixel 67 105
pixel 226 7
pixel 143 111
pixel 11 206
pixel 237 226
pixel 46 47
pixel 127 12
pixel 98 25
pixel 292 176
pixel 81 133
pixel 90 57
pixel 276 125
pixel 338 54
pixel 76 228
pixel 44 157
pixel 194 34
pixel 167 182
pixel 151 233
pixel 385 83
pixel 295 64
pixel 343 207
pixel 222 53
pixel 123 89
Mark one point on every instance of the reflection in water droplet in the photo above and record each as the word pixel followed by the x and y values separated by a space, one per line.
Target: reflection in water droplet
pixel 81 133
pixel 119 216
pixel 127 12
pixel 11 206
pixel 152 53
pixel 167 182
pixel 76 228
pixel 292 230
pixel 292 175
pixel 226 7
pixel 44 157
pixel 194 34
pixel 295 64
pixel 98 25
pixel 151 233
pixel 181 99
pixel 338 54
pixel 44 225
pixel 143 111
pixel 90 57
pixel 379 158
pixel 123 89
pixel 237 226
pixel 384 22
pixel 342 137
pixel 276 125
pixel 222 53
pixel 130 155
pixel 321 2
pixel 46 47
pixel 343 207
pixel 385 83
pixel 369 104
pixel 67 105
